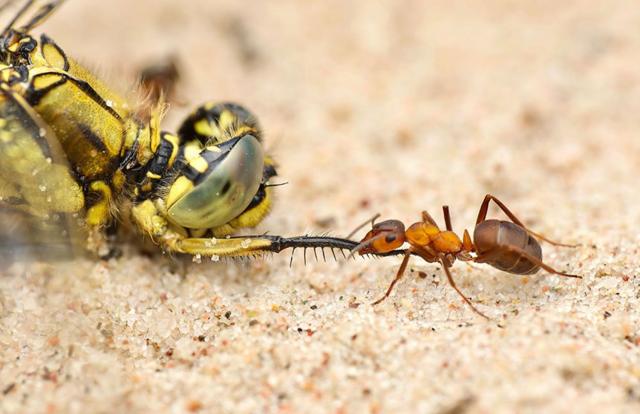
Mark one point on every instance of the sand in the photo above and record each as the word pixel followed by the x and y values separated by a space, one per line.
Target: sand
pixel 391 107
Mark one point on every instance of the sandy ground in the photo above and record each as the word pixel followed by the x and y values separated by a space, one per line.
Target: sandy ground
pixel 394 107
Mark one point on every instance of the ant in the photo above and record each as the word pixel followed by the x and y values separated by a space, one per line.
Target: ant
pixel 506 245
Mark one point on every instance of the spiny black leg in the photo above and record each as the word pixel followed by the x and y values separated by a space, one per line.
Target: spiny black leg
pixel 291 260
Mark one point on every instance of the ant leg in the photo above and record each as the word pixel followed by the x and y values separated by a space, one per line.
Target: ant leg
pixel 403 267
pixel 484 208
pixel 447 218
pixel 487 256
pixel 372 220
pixel 453 285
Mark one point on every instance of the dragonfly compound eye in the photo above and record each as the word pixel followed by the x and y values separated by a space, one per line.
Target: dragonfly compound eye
pixel 217 182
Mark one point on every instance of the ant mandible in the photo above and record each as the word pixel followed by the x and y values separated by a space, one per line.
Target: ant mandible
pixel 506 245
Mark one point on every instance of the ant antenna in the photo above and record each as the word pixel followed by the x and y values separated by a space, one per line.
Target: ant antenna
pixel 372 220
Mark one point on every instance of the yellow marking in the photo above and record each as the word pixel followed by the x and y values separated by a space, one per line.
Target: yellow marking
pixel 153 176
pixel 154 127
pixel 221 247
pixel 101 187
pixel 176 143
pixel 244 130
pixel 107 94
pixel 224 230
pixel 178 189
pixel 198 232
pixel 99 213
pixel 227 120
pixel 192 150
pixel 203 127
pixel 68 108
pixel 199 164
pixel 253 217
pixel 269 161
pixel 146 217
pixel 213 148
pixel 53 56
pixel 46 80
pixel 143 135
pixel 118 179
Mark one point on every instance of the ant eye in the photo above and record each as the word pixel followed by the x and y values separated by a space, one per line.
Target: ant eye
pixel 390 238
pixel 217 183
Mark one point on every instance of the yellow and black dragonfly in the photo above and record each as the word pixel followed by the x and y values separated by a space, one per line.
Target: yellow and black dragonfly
pixel 76 159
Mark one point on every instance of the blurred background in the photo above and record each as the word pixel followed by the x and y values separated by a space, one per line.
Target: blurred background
pixel 392 106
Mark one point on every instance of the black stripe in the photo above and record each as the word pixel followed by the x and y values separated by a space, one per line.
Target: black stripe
pixel 268 172
pixel 212 158
pixel 192 174
pixel 261 194
pixel 86 88
pixel 212 116
pixel 34 96
pixel 25 49
pixel 93 138
pixel 14 201
pixel 20 74
pixel 160 161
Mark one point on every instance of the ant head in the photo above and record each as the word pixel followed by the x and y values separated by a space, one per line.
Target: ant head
pixel 384 237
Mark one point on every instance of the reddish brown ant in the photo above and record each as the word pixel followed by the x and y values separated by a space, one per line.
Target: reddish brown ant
pixel 505 245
